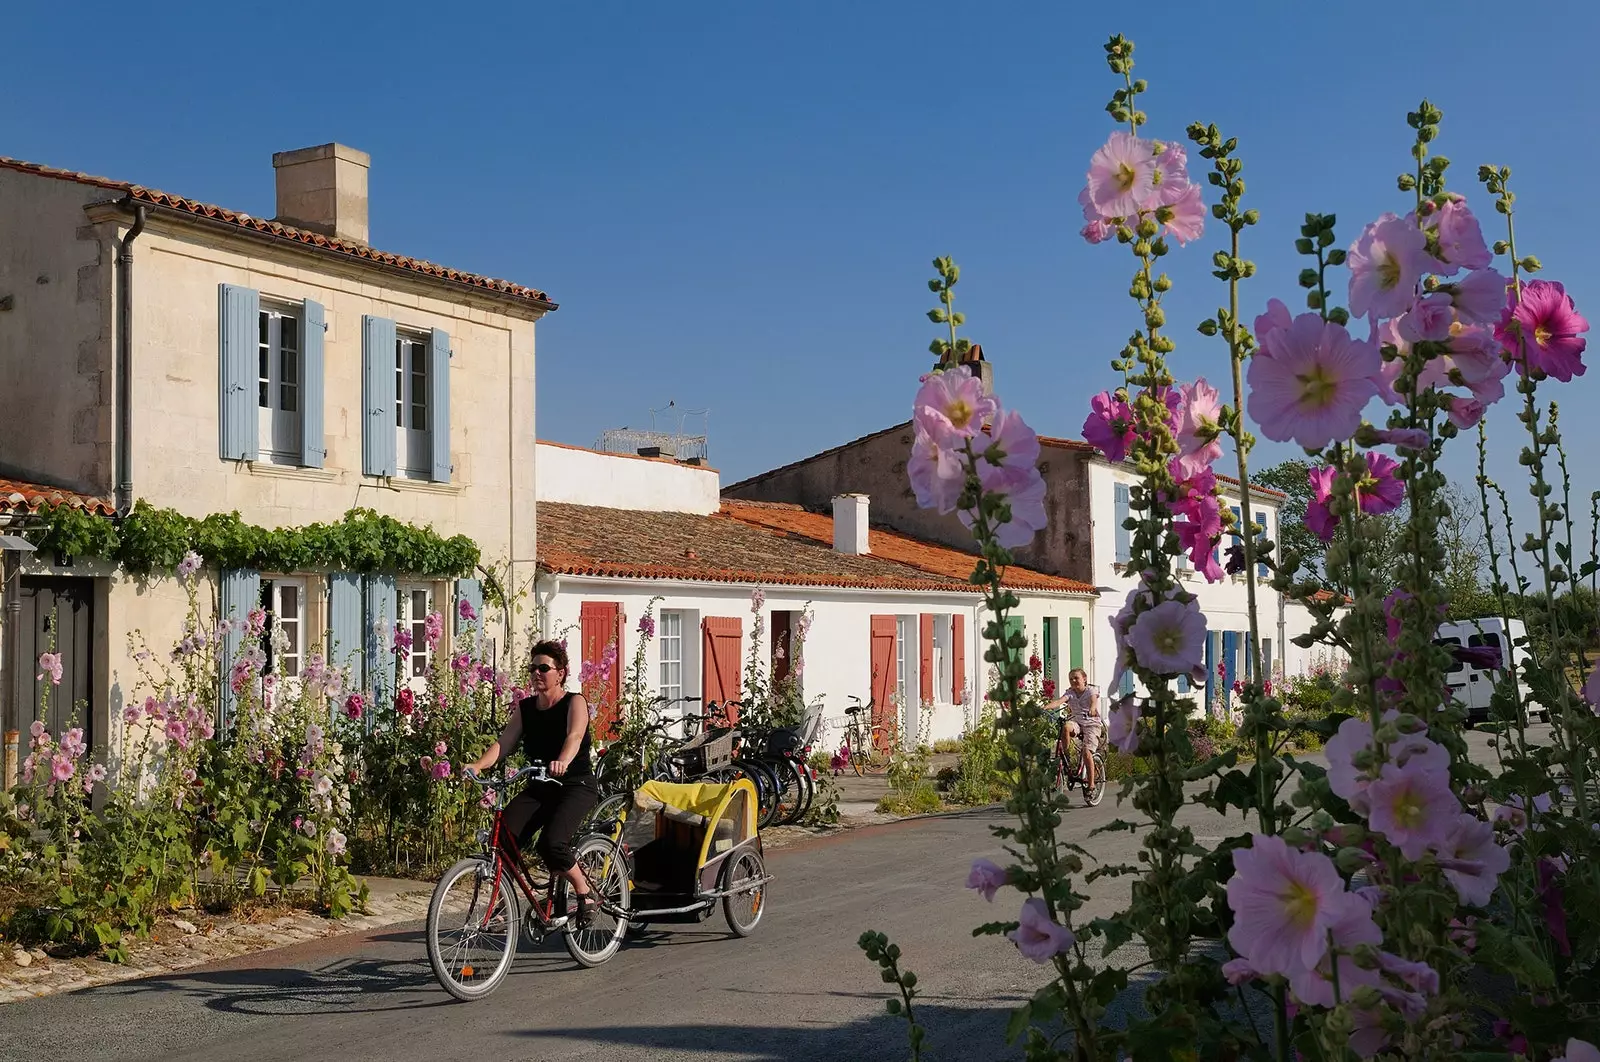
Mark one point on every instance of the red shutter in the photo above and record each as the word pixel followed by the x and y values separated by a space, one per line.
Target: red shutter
pixel 722 642
pixel 958 657
pixel 925 662
pixel 601 625
pixel 884 679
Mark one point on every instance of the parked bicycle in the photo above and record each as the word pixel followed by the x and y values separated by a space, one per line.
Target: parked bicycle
pixel 867 746
pixel 1071 771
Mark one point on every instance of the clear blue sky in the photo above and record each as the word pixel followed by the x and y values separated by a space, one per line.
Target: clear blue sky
pixel 736 203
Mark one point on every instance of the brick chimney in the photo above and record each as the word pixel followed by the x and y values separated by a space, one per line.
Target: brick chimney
pixel 324 189
pixel 974 361
pixel 850 524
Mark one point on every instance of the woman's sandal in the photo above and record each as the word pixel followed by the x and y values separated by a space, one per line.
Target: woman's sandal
pixel 586 907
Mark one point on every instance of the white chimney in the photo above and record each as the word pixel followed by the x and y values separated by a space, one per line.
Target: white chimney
pixel 850 524
pixel 324 189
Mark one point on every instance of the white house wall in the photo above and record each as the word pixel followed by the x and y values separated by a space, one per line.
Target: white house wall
pixel 624 481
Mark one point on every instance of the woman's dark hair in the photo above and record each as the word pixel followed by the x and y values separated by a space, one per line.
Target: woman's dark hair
pixel 555 651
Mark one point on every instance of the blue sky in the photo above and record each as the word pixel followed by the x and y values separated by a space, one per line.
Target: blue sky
pixel 736 203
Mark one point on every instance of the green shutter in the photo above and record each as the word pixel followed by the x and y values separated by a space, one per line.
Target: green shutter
pixel 1052 647
pixel 238 344
pixel 1075 641
pixel 312 443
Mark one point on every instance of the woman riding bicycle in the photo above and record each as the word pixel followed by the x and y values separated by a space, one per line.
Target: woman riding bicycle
pixel 1082 719
pixel 553 727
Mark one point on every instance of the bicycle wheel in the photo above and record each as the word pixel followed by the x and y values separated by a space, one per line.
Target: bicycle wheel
pixel 603 819
pixel 607 870
pixel 767 789
pixel 875 757
pixel 472 928
pixel 791 790
pixel 1092 795
pixel 808 782
pixel 743 910
pixel 1062 784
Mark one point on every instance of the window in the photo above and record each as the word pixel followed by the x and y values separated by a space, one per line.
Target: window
pixel 1451 643
pixel 943 681
pixel 413 444
pixel 905 664
pixel 1261 525
pixel 669 636
pixel 284 602
pixel 416 601
pixel 278 386
pixel 1123 503
pixel 1478 641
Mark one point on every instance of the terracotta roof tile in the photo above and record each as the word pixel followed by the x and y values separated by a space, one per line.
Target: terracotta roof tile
pixel 286 232
pixel 19 497
pixel 729 548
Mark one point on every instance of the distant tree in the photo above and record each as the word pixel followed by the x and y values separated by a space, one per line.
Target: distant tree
pixel 1292 477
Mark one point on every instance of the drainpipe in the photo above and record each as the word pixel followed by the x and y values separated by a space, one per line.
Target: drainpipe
pixel 124 360
pixel 552 584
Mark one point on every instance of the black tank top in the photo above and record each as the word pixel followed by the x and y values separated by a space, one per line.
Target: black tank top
pixel 544 731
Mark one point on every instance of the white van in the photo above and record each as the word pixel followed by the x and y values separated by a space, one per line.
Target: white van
pixel 1473 686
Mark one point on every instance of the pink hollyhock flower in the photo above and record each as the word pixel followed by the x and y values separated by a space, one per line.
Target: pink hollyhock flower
pixel 1037 935
pixel 1122 176
pixel 1386 263
pixel 951 406
pixel 1024 492
pixel 97 773
pixel 1285 902
pixel 1579 1051
pixel 1353 735
pixel 130 714
pixel 1239 971
pixel 1321 522
pixel 1276 319
pixel 440 748
pixel 1184 218
pixel 1461 243
pixel 336 843
pixel 1200 543
pixel 354 705
pixel 1542 332
pixel 647 625
pixel 178 731
pixel 1109 427
pixel 1198 427
pixel 441 770
pixel 1353 925
pixel 50 664
pixel 1096 232
pixel 1464 412
pixel 62 768
pixel 1170 638
pixel 1412 806
pixel 405 702
pixel 465 610
pixel 1122 730
pixel 1380 490
pixel 1312 382
pixel 1428 320
pixel 206 730
pixel 938 476
pixel 986 877
pixel 189 564
pixel 433 628
pixel 190 776
pixel 1479 297
pixel 402 640
pixel 1414 439
pixel 1477 861
pixel 256 621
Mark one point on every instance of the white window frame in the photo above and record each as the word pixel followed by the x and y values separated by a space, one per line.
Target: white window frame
pixel 278 435
pixel 669 646
pixel 413 367
pixel 417 660
pixel 943 676
pixel 287 664
pixel 906 633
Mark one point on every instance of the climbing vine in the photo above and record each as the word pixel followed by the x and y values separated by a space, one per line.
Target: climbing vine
pixel 149 539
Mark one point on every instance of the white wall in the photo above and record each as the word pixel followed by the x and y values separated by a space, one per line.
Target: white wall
pixel 623 481
pixel 838 661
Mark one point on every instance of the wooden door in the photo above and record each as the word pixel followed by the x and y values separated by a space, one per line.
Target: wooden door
pixel 884 636
pixel 58 617
pixel 782 646
pixel 723 638
pixel 601 624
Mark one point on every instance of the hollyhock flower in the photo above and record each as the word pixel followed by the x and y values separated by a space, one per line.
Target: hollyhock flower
pixel 402 640
pixel 72 742
pixel 465 610
pixel 62 768
pixel 1542 331
pixel 441 770
pixel 1035 664
pixel 951 406
pixel 1386 263
pixel 1285 903
pixel 336 843
pixel 1406 438
pixel 1170 638
pixel 1412 806
pixel 1048 689
pixel 1318 518
pixel 190 776
pixel 1591 689
pixel 1461 243
pixel 647 625
pixel 1096 232
pixel 321 784
pixel 1479 297
pixel 50 664
pixel 1482 657
pixel 405 702
pixel 178 731
pixel 1380 490
pixel 986 877
pixel 1184 218
pixel 189 564
pixel 1110 426
pixel 1550 899
pixel 1312 382
pixel 440 748
pixel 1239 971
pixel 1477 860
pixel 1464 412
pixel 1122 729
pixel 131 714
pixel 938 476
pixel 97 772
pixel 1276 319
pixel 433 628
pixel 1514 815
pixel 354 705
pixel 1037 935
pixel 1198 427
pixel 256 621
pixel 1351 926
pixel 1019 484
pixel 1122 176
pixel 1579 1051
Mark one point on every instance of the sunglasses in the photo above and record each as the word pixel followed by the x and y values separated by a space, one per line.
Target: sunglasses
pixel 545 669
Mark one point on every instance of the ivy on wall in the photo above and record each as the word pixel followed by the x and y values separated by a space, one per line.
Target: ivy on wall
pixel 149 540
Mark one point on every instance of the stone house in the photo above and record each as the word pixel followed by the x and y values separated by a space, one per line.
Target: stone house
pixel 162 350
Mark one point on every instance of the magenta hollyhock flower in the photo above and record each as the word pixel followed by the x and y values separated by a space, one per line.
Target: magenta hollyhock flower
pixel 987 877
pixel 433 628
pixel 1591 689
pixel 1412 805
pixel 402 639
pixel 937 475
pixel 1380 490
pixel 1169 639
pixel 465 610
pixel 1122 728
pixel 1311 384
pixel 1184 218
pixel 1428 320
pixel 1198 427
pixel 1122 176
pixel 441 770
pixel 1386 262
pixel 951 406
pixel 354 705
pixel 1479 297
pixel 1476 860
pixel 178 731
pixel 1482 657
pixel 131 714
pixel 647 625
pixel 1037 935
pixel 1414 439
pixel 1318 518
pixel 1543 331
pixel 1285 902
pixel 1461 244
pixel 1110 426
pixel 405 702
pixel 1552 899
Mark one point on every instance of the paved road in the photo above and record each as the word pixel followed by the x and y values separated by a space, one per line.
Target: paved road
pixel 798 989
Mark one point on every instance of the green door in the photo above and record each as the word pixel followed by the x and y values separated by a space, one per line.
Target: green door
pixel 1075 641
pixel 1052 647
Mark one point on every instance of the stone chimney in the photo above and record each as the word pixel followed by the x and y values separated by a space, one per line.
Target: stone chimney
pixel 324 189
pixel 850 524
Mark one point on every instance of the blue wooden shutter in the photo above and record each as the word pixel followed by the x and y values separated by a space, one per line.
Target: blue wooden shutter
pixel 378 428
pixel 470 591
pixel 312 443
pixel 1261 522
pixel 1211 669
pixel 1127 683
pixel 1230 651
pixel 1183 684
pixel 344 618
pixel 1124 536
pixel 383 609
pixel 238 371
pixel 240 592
pixel 439 404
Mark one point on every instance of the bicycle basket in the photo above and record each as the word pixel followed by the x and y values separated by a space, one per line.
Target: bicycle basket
pixel 783 741
pixel 707 752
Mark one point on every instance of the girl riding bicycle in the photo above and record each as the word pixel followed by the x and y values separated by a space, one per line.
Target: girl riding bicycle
pixel 1082 719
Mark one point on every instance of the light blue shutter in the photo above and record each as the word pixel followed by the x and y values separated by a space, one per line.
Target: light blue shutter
pixel 383 609
pixel 312 444
pixel 439 404
pixel 377 397
pixel 471 591
pixel 238 372
pixel 1230 662
pixel 1124 536
pixel 344 618
pixel 1261 522
pixel 240 592
pixel 1211 669
pixel 1183 684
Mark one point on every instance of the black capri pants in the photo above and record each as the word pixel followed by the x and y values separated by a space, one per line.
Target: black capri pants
pixel 557 809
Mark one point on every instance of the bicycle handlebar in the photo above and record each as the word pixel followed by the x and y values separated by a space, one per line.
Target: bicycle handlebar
pixel 537 771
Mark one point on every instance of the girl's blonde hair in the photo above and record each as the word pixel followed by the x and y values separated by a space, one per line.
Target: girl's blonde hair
pixel 1078 671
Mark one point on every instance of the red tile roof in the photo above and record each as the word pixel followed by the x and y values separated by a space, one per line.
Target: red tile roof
pixel 161 200
pixel 751 543
pixel 19 497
